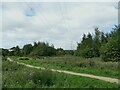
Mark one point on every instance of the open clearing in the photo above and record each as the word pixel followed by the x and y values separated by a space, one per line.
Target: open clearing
pixel 94 66
pixel 111 80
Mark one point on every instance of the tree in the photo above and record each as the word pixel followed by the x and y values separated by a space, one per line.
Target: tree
pixel 85 48
pixel 90 45
pixel 69 52
pixel 103 38
pixel 97 36
pixel 27 49
pixel 16 51
pixel 35 45
pixel 111 50
pixel 5 52
pixel 43 49
pixel 97 42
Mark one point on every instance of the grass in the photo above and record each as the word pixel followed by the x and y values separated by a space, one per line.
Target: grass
pixel 18 76
pixel 77 64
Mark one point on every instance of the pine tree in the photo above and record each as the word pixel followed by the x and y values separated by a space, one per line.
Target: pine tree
pixel 111 50
pixel 97 42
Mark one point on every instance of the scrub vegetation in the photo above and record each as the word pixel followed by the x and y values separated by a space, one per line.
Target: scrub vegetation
pixel 97 54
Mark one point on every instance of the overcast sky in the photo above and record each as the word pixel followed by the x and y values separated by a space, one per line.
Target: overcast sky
pixel 61 24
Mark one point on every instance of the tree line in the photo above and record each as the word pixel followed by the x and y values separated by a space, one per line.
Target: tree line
pixel 99 44
pixel 38 49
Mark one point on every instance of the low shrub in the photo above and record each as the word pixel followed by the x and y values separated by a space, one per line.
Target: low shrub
pixel 43 77
pixel 81 64
pixel 91 63
pixel 10 66
pixel 4 58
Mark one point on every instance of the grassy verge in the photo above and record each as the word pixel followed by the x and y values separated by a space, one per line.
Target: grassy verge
pixel 77 64
pixel 18 76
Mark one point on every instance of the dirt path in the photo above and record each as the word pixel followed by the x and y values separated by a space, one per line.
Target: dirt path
pixel 111 80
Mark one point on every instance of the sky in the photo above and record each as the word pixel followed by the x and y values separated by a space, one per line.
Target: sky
pixel 60 23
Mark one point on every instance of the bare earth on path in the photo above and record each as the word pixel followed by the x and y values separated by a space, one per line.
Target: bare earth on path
pixel 108 79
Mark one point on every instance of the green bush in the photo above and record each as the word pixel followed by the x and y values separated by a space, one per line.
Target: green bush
pixel 91 63
pixel 109 51
pixel 10 66
pixel 88 53
pixel 44 77
pixel 4 58
pixel 81 64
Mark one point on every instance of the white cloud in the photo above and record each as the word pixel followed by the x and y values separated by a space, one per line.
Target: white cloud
pixel 59 24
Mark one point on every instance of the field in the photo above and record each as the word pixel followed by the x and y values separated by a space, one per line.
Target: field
pixel 18 76
pixel 77 64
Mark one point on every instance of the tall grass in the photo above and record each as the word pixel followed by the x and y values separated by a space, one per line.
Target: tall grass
pixel 77 64
pixel 43 77
pixel 15 75
pixel 18 76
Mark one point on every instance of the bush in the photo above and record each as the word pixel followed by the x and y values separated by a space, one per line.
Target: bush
pixel 88 53
pixel 44 77
pixel 91 63
pixel 4 58
pixel 82 64
pixel 10 66
pixel 109 51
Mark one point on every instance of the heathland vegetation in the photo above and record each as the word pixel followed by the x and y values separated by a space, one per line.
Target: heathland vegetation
pixel 18 76
pixel 97 54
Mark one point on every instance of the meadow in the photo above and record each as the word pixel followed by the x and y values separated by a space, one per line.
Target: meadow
pixel 18 76
pixel 93 66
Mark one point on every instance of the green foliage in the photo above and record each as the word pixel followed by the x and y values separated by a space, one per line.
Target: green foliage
pixel 17 51
pixel 104 45
pixel 88 53
pixel 24 77
pixel 60 51
pixel 14 51
pixel 10 66
pixel 18 76
pixel 103 38
pixel 43 77
pixel 4 58
pixel 5 52
pixel 69 52
pixel 86 47
pixel 97 37
pixel 77 64
pixel 27 49
pixel 110 51
pixel 43 49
